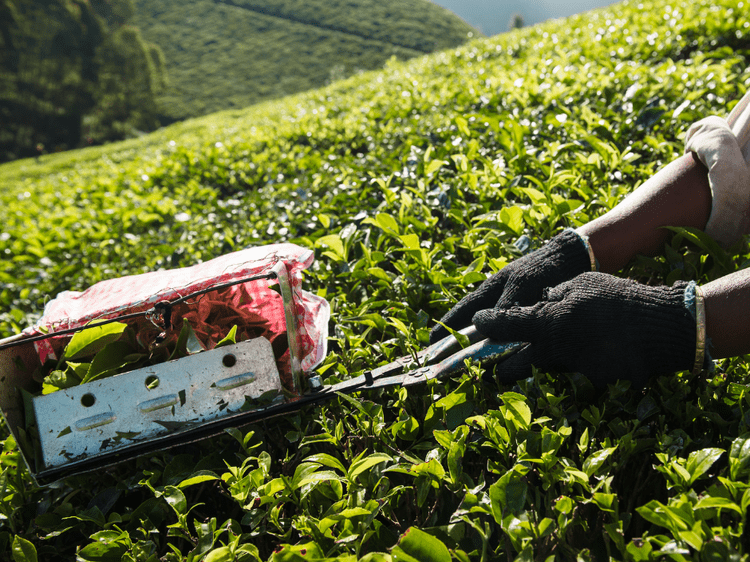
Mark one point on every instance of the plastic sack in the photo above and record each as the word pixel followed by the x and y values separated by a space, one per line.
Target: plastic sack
pixel 255 306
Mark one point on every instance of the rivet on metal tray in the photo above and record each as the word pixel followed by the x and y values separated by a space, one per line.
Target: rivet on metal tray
pixel 158 403
pixel 233 382
pixel 229 360
pixel 95 421
pixel 88 400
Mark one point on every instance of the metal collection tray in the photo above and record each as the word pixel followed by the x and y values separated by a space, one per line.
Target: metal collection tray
pixel 106 421
pixel 102 416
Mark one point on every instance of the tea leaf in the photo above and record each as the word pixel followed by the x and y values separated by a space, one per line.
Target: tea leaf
pixel 229 339
pixel 417 546
pixel 361 465
pixel 90 340
pixel 699 462
pixel 23 550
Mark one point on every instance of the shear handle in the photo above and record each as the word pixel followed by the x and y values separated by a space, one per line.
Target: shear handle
pixel 428 356
pixel 485 352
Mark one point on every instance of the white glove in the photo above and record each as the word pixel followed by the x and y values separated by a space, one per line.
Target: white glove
pixel 723 146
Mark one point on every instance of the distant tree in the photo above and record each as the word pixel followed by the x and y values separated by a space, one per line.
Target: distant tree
pixel 71 73
pixel 516 22
pixel 114 12
pixel 8 17
pixel 129 77
pixel 45 83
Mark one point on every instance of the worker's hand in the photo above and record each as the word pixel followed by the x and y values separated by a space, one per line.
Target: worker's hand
pixel 599 325
pixel 522 281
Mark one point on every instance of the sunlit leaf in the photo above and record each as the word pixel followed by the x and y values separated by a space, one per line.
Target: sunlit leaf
pixel 361 465
pixel 596 459
pixel 90 340
pixel 418 546
pixel 23 550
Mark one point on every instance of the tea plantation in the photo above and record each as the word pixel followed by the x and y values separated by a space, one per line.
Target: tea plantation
pixel 227 54
pixel 411 184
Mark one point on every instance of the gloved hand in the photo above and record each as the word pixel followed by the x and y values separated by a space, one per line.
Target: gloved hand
pixel 602 326
pixel 522 281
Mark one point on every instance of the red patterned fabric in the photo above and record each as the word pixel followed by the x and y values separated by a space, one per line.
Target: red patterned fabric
pixel 254 301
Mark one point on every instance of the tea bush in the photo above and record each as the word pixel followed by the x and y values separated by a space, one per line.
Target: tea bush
pixel 412 185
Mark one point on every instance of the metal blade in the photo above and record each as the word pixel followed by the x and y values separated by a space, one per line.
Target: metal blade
pixel 102 416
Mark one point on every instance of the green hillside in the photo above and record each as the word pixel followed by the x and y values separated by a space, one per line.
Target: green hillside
pixel 411 184
pixel 233 53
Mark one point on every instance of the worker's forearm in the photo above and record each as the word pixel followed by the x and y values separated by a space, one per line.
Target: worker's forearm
pixel 678 195
pixel 727 302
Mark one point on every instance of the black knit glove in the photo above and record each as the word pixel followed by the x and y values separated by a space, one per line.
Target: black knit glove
pixel 602 326
pixel 522 281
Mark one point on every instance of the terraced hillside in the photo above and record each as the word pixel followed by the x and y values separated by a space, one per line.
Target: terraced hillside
pixel 232 53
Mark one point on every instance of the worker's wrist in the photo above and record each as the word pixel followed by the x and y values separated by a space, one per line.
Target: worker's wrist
pixel 696 306
pixel 589 250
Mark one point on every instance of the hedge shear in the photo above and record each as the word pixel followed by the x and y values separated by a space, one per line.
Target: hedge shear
pixel 441 359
